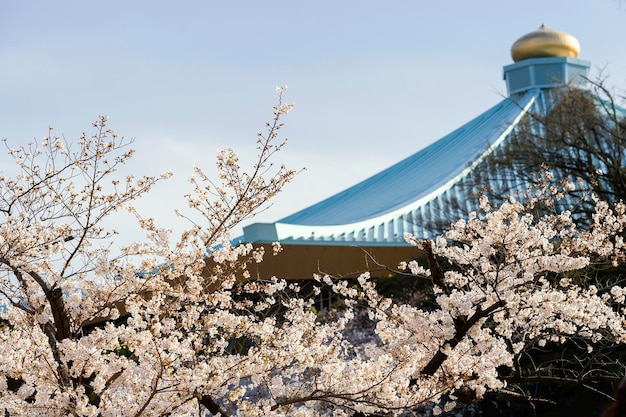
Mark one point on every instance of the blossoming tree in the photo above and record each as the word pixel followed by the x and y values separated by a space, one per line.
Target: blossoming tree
pixel 154 330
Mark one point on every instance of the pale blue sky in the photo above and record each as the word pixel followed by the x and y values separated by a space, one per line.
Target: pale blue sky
pixel 372 81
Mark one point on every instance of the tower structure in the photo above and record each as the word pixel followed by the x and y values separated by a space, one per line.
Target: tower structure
pixel 436 185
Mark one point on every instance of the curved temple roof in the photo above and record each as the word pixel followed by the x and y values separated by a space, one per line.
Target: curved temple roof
pixel 433 184
pixel 422 175
pixel 380 209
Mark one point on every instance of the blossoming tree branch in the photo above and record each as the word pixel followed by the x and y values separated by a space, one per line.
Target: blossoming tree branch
pixel 152 329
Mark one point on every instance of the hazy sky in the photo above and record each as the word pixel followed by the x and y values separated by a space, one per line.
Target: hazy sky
pixel 372 81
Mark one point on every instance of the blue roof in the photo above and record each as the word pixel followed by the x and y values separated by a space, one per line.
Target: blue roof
pixel 418 175
pixel 410 195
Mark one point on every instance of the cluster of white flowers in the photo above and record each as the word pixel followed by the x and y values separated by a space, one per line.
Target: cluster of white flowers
pixel 162 330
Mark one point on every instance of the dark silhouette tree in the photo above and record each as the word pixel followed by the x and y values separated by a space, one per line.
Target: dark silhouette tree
pixel 581 138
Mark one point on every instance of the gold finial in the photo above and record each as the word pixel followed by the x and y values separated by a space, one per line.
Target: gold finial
pixel 545 42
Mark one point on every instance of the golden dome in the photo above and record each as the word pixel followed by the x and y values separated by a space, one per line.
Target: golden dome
pixel 545 42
